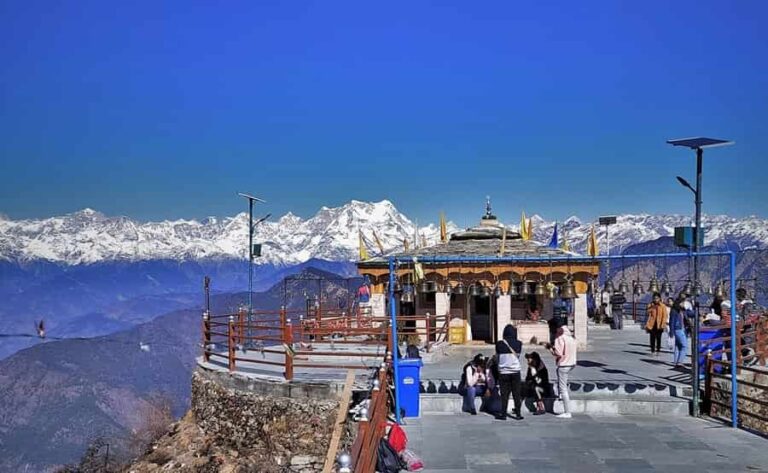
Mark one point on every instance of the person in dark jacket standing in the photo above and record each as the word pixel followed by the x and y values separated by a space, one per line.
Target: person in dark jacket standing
pixel 508 353
pixel 617 309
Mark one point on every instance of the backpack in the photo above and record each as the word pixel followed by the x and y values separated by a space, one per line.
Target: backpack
pixel 397 438
pixel 412 351
pixel 463 383
pixel 387 459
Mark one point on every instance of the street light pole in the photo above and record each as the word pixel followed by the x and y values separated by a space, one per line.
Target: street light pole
pixel 697 144
pixel 251 226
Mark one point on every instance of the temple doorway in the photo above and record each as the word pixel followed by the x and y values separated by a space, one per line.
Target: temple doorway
pixel 481 318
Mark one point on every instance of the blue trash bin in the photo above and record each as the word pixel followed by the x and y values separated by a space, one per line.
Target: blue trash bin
pixel 408 385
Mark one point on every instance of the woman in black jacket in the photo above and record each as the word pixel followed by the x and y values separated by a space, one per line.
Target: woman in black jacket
pixel 537 380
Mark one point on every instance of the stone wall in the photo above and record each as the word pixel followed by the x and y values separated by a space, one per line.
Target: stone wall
pixel 294 430
pixel 760 409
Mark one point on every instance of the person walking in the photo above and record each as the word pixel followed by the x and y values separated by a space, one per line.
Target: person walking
pixel 658 315
pixel 508 351
pixel 681 310
pixel 473 383
pixel 617 309
pixel 564 349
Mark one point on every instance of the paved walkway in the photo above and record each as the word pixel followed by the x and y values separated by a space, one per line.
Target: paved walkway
pixel 464 444
pixel 617 356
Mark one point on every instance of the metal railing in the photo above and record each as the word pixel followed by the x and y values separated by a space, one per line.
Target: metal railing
pixel 231 336
pixel 718 402
pixel 372 427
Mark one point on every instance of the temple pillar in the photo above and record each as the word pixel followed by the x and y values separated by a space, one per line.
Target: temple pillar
pixel 580 320
pixel 379 305
pixel 503 314
pixel 442 303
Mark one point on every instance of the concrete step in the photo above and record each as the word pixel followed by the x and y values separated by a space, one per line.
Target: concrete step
pixel 450 404
pixel 591 389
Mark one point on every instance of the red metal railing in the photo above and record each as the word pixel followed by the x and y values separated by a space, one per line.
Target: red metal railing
pixel 372 429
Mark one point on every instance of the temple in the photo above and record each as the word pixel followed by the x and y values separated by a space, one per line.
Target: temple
pixel 484 297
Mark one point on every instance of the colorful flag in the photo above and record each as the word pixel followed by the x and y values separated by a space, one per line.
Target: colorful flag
pixel 566 245
pixel 418 270
pixel 524 227
pixel 553 240
pixel 378 242
pixel 443 228
pixel 592 249
pixel 363 249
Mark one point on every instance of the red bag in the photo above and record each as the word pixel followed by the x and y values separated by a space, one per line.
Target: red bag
pixel 412 461
pixel 397 437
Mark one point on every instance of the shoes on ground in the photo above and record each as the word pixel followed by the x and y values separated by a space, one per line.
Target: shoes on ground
pixel 564 415
pixel 539 413
pixel 500 417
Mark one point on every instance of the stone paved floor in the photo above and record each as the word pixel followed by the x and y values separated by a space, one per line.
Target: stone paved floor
pixel 613 356
pixel 464 444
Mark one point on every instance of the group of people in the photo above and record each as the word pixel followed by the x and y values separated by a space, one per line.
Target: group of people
pixel 494 379
pixel 675 316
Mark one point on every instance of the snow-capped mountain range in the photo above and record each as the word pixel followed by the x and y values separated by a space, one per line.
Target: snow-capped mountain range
pixel 87 236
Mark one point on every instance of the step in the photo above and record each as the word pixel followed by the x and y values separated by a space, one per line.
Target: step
pixel 592 389
pixel 450 404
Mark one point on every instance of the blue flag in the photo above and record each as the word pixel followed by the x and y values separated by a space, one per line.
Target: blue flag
pixel 553 241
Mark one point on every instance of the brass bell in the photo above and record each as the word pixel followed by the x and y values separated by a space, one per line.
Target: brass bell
pixel 432 286
pixel 638 288
pixel 398 286
pixel 608 287
pixel 513 289
pixel 424 286
pixel 459 288
pixel 720 291
pixel 407 296
pixel 540 290
pixel 666 288
pixel 474 290
pixel 568 291
pixel 447 287
pixel 552 292
pixel 687 289
pixel 526 291
pixel 654 286
pixel 623 287
pixel 485 291
pixel 497 292
pixel 697 289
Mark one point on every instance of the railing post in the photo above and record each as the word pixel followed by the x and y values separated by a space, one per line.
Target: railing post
pixel 738 355
pixel 288 340
pixel 708 383
pixel 206 335
pixel 241 326
pixel 231 343
pixel 762 346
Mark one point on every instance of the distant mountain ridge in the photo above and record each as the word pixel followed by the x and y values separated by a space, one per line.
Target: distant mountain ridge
pixel 87 236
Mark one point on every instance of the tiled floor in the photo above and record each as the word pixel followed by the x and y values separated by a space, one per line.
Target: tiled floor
pixel 464 444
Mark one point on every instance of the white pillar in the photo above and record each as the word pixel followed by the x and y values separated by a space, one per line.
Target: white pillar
pixel 379 305
pixel 503 314
pixel 442 303
pixel 580 320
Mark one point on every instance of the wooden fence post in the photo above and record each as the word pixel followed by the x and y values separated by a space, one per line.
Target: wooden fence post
pixel 231 342
pixel 206 335
pixel 241 326
pixel 738 355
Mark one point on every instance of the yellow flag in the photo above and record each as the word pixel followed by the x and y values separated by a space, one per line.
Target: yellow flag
pixel 363 249
pixel 524 227
pixel 592 249
pixel 443 228
pixel 566 246
pixel 529 228
pixel 378 242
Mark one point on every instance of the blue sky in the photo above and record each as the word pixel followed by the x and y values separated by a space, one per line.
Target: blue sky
pixel 164 109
